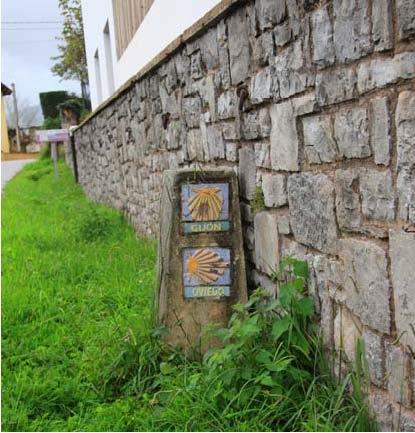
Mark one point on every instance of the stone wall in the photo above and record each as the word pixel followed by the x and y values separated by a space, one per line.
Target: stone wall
pixel 313 103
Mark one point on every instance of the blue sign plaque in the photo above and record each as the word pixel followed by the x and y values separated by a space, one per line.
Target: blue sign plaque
pixel 205 207
pixel 206 272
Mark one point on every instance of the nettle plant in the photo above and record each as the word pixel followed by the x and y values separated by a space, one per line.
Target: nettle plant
pixel 268 344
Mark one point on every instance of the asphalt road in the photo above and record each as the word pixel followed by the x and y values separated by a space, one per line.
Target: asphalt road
pixel 10 168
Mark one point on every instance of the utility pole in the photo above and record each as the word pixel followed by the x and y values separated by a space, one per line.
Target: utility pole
pixel 16 116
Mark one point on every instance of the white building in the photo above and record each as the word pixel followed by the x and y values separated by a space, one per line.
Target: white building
pixel 122 36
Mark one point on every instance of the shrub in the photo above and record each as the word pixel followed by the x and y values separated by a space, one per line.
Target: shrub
pixel 49 102
pixel 52 123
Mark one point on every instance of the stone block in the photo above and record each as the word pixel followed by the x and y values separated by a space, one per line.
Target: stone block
pixel 266 242
pixel 284 140
pixel 405 137
pixel 206 89
pixel 378 73
pixel 262 48
pixel 192 109
pixel 212 140
pixel 347 330
pixel 351 131
pixel 291 70
pixel 261 86
pixel 231 150
pixel 380 137
pixel 262 154
pixel 402 254
pixel 351 29
pixel 406 19
pixel 274 188
pixel 318 139
pixel 398 374
pixel 196 66
pixel 209 49
pixel 270 13
pixel 247 172
pixel 284 223
pixel 311 202
pixel 347 199
pixel 403 420
pixel 381 408
pixel 282 34
pixel 239 57
pixel 323 48
pixel 382 26
pixel 227 105
pixel 256 124
pixel 364 288
pixel 224 68
pixel 375 356
pixel 378 197
pixel 335 86
pixel 194 145
pixel 231 130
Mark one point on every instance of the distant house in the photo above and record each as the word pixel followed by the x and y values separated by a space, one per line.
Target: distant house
pixel 122 36
pixel 5 144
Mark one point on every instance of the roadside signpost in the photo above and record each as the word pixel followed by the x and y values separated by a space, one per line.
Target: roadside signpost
pixel 53 136
pixel 201 264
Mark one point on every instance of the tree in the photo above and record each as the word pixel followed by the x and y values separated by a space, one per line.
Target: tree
pixel 71 61
pixel 29 114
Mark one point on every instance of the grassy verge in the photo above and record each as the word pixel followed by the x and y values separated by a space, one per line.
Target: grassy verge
pixel 79 352
pixel 76 287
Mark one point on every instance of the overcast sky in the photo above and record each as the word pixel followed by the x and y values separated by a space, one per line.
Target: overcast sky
pixel 27 49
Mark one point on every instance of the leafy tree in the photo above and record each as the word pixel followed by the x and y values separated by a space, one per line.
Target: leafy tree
pixel 71 61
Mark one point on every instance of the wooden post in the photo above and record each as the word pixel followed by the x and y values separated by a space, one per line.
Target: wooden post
pixel 54 149
pixel 16 115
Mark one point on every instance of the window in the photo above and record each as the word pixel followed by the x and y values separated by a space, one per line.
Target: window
pixel 128 15
pixel 108 59
pixel 98 81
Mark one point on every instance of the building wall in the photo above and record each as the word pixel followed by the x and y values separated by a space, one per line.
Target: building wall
pixel 313 104
pixel 165 21
pixel 5 145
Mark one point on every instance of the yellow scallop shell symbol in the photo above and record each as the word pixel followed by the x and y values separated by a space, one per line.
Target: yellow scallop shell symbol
pixel 206 265
pixel 206 204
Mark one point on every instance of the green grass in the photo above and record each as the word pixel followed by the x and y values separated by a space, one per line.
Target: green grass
pixel 79 351
pixel 76 286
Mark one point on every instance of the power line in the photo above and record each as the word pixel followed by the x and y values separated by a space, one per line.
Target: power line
pixel 32 22
pixel 32 28
pixel 29 42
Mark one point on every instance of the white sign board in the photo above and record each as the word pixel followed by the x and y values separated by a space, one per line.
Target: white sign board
pixel 52 135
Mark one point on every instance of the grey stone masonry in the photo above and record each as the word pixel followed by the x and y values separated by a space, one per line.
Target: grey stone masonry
pixel 380 137
pixel 314 224
pixel 405 131
pixel 402 253
pixel 351 131
pixel 266 242
pixel 312 104
pixel 318 139
pixel 274 188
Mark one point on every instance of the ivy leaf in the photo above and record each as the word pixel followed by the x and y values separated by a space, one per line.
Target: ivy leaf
pixel 301 268
pixel 280 326
pixel 305 307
